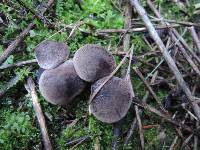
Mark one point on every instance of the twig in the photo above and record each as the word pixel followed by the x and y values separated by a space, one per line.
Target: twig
pixel 130 131
pixel 140 127
pixel 77 144
pixel 180 5
pixel 150 126
pixel 11 83
pixel 41 120
pixel 186 141
pixel 195 38
pixel 127 26
pixel 162 60
pixel 173 33
pixel 172 147
pixel 141 29
pixel 149 88
pixel 76 26
pixel 18 64
pixel 7 52
pixel 196 139
pixel 186 46
pixel 165 117
pixel 14 44
pixel 185 23
pixel 35 13
pixel 166 55
pixel 176 138
pixel 133 124
pixel 74 142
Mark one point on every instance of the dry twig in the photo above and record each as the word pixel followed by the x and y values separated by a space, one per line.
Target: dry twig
pixel 12 82
pixel 41 120
pixel 195 38
pixel 18 64
pixel 140 127
pixel 149 88
pixel 14 44
pixel 166 55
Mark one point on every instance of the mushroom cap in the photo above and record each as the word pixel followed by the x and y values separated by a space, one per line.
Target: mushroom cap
pixel 93 62
pixel 60 85
pixel 39 73
pixel 113 101
pixel 50 54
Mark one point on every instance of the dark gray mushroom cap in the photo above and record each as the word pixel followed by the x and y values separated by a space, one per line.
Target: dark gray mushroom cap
pixel 113 101
pixel 93 62
pixel 50 54
pixel 60 85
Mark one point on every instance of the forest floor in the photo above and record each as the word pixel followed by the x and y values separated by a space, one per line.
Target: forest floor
pixel 76 23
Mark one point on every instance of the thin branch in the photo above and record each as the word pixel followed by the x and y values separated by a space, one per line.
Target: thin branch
pixel 195 38
pixel 12 82
pixel 141 132
pixel 41 120
pixel 149 88
pixel 35 13
pixel 133 124
pixel 141 29
pixel 14 44
pixel 74 142
pixel 180 5
pixel 165 117
pixel 185 23
pixel 166 55
pixel 18 64
pixel 127 26
pixel 174 35
pixel 186 46
pixel 172 146
pixel 196 139
pixel 186 141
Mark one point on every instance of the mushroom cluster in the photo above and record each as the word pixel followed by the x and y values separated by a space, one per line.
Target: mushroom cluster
pixel 62 79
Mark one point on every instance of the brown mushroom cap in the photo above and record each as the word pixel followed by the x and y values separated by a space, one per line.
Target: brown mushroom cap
pixel 93 62
pixel 113 101
pixel 50 54
pixel 60 85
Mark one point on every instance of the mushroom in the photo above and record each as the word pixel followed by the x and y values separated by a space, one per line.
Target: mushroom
pixel 50 54
pixel 60 85
pixel 39 73
pixel 113 101
pixel 93 62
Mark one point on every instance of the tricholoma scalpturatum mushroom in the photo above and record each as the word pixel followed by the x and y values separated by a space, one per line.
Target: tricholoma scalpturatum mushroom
pixel 113 101
pixel 93 62
pixel 50 54
pixel 60 85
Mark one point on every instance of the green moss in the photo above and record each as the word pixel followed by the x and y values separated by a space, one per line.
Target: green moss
pixel 16 130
